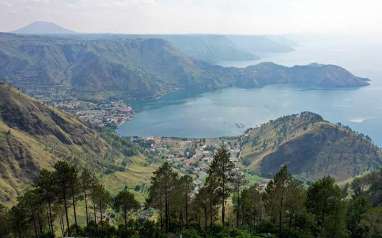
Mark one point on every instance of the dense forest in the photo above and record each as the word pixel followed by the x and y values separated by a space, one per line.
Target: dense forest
pixel 226 205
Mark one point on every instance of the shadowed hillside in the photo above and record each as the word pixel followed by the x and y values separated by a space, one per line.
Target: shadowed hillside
pixel 311 148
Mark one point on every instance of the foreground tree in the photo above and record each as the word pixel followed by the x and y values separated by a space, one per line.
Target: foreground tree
pixel 87 182
pixel 220 178
pixel 45 185
pixel 186 186
pixel 239 181
pixel 125 202
pixel 276 195
pixel 252 207
pixel 324 201
pixel 163 185
pixel 63 171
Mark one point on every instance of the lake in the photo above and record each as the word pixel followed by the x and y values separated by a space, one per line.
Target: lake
pixel 231 111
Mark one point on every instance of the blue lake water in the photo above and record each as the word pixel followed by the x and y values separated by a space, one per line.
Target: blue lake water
pixel 231 111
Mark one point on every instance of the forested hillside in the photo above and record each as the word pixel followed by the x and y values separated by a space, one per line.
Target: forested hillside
pixel 138 69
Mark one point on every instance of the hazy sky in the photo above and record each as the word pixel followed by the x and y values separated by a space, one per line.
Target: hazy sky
pixel 198 16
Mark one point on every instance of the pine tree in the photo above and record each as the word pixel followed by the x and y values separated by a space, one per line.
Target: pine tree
pixel 125 202
pixel 45 184
pixel 252 206
pixel 102 200
pixel 62 172
pixel 239 181
pixel 186 187
pixel 324 201
pixel 220 177
pixel 87 182
pixel 276 195
pixel 161 191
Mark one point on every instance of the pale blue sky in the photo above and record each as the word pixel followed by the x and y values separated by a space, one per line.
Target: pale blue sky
pixel 198 16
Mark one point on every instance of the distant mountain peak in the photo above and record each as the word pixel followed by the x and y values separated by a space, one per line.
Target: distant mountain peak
pixel 42 28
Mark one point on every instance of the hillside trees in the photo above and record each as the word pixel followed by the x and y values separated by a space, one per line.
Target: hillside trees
pixel 161 192
pixel 284 207
pixel 252 206
pixel 125 202
pixel 220 178
pixel 325 202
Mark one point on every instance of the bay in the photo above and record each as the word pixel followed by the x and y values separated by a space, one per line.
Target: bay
pixel 231 111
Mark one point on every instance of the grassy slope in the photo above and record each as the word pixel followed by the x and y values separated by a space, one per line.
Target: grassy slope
pixel 34 136
pixel 139 172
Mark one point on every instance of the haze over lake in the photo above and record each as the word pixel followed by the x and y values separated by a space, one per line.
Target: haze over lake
pixel 231 111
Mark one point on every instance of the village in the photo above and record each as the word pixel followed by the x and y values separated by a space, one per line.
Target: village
pixel 108 113
pixel 193 156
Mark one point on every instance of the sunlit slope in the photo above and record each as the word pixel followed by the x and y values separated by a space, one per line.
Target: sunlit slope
pixel 35 136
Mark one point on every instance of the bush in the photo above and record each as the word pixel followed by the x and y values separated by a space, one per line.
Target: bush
pixel 191 233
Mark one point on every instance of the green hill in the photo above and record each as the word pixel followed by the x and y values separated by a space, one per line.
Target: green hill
pixel 311 147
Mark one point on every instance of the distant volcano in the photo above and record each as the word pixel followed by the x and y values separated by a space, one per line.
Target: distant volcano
pixel 42 28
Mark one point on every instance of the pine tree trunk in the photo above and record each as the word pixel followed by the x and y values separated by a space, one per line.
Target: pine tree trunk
pixel 50 217
pixel 205 218
pixel 62 225
pixel 238 208
pixel 281 214
pixel 95 213
pixel 66 211
pixel 39 221
pixel 186 210
pixel 74 209
pixel 34 226
pixel 86 208
pixel 211 214
pixel 125 218
pixel 166 212
pixel 223 211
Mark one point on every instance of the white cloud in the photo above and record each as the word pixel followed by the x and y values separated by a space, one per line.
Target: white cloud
pixel 215 16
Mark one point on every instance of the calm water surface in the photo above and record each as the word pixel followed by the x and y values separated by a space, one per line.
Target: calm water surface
pixel 231 111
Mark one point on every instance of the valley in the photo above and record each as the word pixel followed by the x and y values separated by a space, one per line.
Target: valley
pixel 35 136
pixel 190 119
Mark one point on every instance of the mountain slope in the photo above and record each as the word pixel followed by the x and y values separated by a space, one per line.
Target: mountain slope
pixel 42 28
pixel 34 136
pixel 139 68
pixel 209 48
pixel 311 147
pixel 260 45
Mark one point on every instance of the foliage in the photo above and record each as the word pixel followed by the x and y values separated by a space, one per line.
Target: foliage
pixel 284 208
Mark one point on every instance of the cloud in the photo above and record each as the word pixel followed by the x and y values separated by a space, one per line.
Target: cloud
pixel 198 16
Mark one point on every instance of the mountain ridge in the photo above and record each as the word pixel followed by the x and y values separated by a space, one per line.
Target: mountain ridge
pixel 140 68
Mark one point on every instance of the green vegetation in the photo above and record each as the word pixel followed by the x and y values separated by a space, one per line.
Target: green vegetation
pixel 285 208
